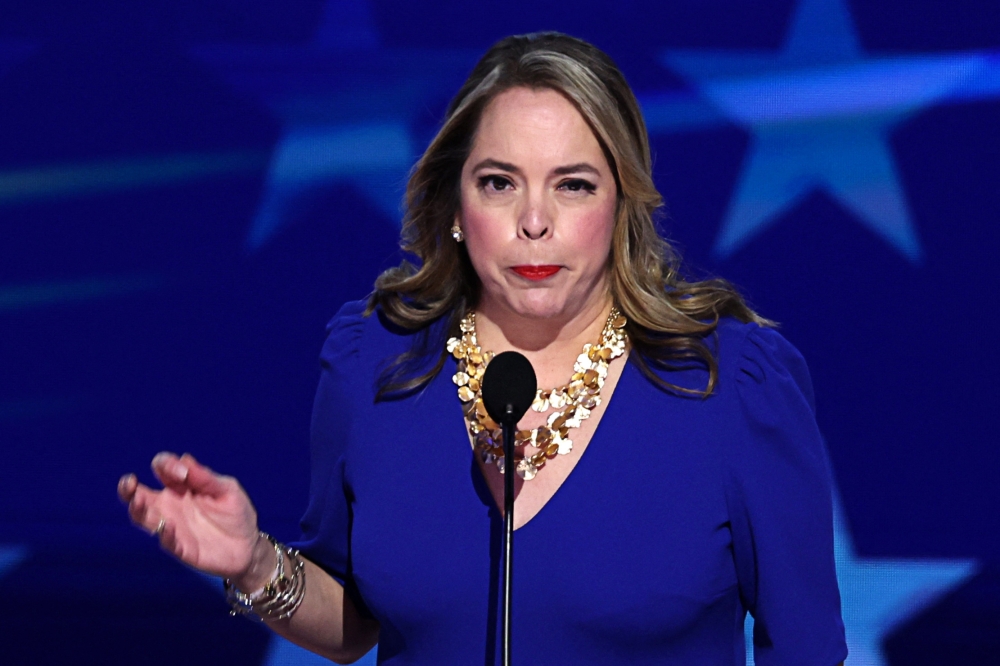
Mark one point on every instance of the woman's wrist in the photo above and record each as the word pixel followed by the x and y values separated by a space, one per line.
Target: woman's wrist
pixel 262 568
pixel 282 592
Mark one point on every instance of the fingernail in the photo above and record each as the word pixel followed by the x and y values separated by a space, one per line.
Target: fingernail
pixel 123 484
pixel 181 472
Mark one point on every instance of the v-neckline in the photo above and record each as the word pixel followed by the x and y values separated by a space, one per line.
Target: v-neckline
pixel 487 497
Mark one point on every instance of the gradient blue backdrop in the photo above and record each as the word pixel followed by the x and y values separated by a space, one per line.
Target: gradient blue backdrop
pixel 189 190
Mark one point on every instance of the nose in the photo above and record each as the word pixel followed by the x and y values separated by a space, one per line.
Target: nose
pixel 535 220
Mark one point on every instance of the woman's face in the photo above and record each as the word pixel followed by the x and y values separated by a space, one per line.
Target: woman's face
pixel 538 207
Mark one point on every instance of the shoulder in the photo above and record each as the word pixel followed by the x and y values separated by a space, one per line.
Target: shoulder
pixel 356 333
pixel 754 359
pixel 344 331
pixel 363 343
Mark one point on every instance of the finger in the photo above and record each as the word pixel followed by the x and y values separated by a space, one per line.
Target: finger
pixel 126 487
pixel 189 459
pixel 140 509
pixel 201 479
pixel 171 472
pixel 137 511
pixel 168 539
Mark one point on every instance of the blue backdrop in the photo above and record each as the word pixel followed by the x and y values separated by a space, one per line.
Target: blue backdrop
pixel 189 190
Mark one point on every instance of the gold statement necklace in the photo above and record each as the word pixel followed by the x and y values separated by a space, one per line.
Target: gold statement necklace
pixel 573 402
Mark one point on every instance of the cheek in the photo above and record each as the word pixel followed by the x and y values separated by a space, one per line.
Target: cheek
pixel 594 233
pixel 485 235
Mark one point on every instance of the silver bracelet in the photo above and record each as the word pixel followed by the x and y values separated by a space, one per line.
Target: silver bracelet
pixel 280 597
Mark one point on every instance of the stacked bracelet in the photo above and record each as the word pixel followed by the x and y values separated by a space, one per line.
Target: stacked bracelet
pixel 281 596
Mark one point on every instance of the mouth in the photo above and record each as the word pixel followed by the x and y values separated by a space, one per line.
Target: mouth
pixel 536 272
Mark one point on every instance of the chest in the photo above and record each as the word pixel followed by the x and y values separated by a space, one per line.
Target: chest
pixel 532 495
pixel 633 543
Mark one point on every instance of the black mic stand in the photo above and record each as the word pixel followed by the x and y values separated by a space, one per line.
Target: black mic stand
pixel 508 388
pixel 509 426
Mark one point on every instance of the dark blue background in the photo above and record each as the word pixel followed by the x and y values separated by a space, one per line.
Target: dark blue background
pixel 189 190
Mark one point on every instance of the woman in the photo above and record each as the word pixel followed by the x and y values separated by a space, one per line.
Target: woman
pixel 705 493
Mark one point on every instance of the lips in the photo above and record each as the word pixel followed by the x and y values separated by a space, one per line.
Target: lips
pixel 536 272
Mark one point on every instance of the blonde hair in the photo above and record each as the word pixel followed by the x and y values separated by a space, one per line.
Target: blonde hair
pixel 668 317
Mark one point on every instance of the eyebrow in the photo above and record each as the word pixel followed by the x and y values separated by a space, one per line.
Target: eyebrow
pixel 580 167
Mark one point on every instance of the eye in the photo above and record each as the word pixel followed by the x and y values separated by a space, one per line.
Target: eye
pixel 578 185
pixel 494 183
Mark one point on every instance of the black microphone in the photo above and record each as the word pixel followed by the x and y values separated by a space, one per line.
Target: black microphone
pixel 509 381
pixel 509 386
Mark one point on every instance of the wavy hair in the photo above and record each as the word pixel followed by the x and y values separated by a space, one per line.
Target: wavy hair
pixel 669 318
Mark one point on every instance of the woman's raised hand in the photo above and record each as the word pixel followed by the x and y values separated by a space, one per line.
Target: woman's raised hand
pixel 204 519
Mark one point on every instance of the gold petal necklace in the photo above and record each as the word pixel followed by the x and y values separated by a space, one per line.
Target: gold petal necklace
pixel 573 401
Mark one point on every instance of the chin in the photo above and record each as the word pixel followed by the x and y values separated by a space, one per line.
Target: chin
pixel 540 308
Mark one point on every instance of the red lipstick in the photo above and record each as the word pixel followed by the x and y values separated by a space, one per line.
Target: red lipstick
pixel 536 272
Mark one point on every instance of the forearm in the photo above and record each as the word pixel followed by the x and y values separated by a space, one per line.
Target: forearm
pixel 326 622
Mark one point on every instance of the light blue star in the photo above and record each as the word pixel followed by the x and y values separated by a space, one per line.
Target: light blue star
pixel 373 157
pixel 819 112
pixel 880 594
pixel 346 106
pixel 11 557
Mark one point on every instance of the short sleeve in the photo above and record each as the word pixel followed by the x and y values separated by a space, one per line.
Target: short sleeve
pixel 326 524
pixel 780 507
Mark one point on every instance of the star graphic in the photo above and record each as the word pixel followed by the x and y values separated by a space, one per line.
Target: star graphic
pixel 819 112
pixel 11 557
pixel 879 594
pixel 346 105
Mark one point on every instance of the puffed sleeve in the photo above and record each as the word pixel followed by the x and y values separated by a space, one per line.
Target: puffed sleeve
pixel 326 523
pixel 780 507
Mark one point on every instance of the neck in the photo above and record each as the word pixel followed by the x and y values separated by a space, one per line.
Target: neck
pixel 551 344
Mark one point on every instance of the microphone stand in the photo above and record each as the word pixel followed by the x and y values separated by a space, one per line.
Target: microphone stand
pixel 508 515
pixel 508 387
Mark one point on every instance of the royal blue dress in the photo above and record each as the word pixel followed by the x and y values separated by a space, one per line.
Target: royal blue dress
pixel 682 515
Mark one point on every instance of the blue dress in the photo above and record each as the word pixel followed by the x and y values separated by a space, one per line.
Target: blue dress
pixel 682 515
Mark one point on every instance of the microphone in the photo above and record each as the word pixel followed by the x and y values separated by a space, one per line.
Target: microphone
pixel 509 386
pixel 509 382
